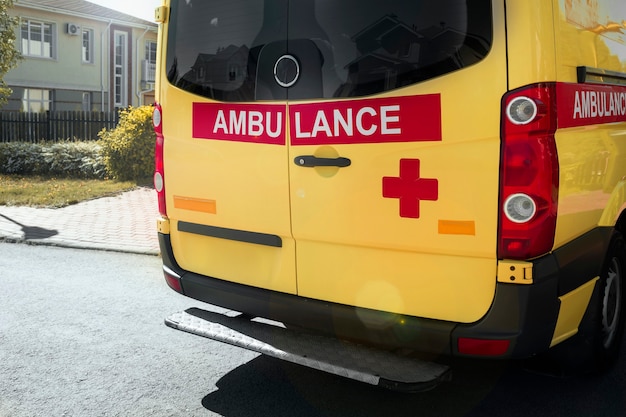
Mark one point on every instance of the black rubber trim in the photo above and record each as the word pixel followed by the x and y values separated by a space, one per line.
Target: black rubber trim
pixel 411 388
pixel 582 259
pixel 378 328
pixel 527 314
pixel 231 234
pixel 524 314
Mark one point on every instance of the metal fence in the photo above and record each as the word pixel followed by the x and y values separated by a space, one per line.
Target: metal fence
pixel 54 126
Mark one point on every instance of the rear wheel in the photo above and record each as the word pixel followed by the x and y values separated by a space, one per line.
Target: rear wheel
pixel 610 305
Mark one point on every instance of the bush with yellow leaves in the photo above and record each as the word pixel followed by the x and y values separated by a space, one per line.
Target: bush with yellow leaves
pixel 128 149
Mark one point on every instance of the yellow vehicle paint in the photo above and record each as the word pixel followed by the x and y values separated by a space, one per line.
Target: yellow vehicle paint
pixel 446 173
pixel 591 156
pixel 573 306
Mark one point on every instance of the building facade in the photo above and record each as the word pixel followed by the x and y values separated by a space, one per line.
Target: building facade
pixel 79 56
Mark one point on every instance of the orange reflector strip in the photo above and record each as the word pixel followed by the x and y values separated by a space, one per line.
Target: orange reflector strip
pixel 457 227
pixel 195 204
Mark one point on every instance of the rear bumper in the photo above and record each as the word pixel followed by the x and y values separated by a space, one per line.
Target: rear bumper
pixel 525 315
pixel 355 361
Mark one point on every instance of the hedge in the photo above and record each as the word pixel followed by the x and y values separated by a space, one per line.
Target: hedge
pixel 62 159
pixel 124 153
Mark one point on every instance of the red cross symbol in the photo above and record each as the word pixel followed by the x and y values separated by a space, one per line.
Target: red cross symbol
pixel 410 188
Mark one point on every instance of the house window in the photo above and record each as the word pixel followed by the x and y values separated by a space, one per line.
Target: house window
pixel 37 39
pixel 120 68
pixel 35 100
pixel 151 52
pixel 87 50
pixel 150 62
pixel 87 101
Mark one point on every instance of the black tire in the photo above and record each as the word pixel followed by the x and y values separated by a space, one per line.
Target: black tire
pixel 605 317
pixel 596 346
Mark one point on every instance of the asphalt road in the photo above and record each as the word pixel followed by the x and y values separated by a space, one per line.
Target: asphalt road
pixel 82 334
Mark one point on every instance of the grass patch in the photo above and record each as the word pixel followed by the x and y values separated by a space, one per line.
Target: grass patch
pixel 37 191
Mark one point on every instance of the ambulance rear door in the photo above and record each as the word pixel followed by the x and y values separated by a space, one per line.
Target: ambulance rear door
pixel 394 167
pixel 226 159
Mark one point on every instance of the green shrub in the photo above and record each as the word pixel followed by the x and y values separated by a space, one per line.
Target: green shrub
pixel 20 158
pixel 63 159
pixel 128 149
pixel 78 159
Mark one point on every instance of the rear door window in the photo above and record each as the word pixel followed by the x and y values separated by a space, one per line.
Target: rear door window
pixel 245 50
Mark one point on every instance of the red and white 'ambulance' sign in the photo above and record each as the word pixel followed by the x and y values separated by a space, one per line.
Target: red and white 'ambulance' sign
pixel 396 119
pixel 587 104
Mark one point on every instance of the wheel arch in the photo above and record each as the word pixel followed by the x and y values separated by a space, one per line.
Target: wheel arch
pixel 614 213
pixel 620 224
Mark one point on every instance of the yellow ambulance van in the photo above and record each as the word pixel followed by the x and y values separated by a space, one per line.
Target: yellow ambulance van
pixel 445 177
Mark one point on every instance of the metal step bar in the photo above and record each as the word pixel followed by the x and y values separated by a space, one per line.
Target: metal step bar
pixel 349 360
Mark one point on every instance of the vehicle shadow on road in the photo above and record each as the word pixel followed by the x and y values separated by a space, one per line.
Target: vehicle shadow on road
pixel 270 387
pixel 33 232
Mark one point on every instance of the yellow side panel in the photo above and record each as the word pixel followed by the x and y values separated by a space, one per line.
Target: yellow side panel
pixel 400 282
pixel 590 33
pixel 592 158
pixel 530 40
pixel 573 307
pixel 592 167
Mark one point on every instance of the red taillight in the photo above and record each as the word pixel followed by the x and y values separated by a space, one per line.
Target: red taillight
pixel 159 172
pixel 529 173
pixel 172 279
pixel 483 347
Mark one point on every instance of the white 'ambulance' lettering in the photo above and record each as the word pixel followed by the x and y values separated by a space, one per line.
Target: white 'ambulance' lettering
pixel 334 123
pixel 250 123
pixel 590 104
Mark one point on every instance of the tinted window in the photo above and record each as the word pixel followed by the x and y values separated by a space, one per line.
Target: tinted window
pixel 231 50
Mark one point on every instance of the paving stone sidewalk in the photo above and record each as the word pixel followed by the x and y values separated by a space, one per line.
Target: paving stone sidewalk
pixel 124 223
